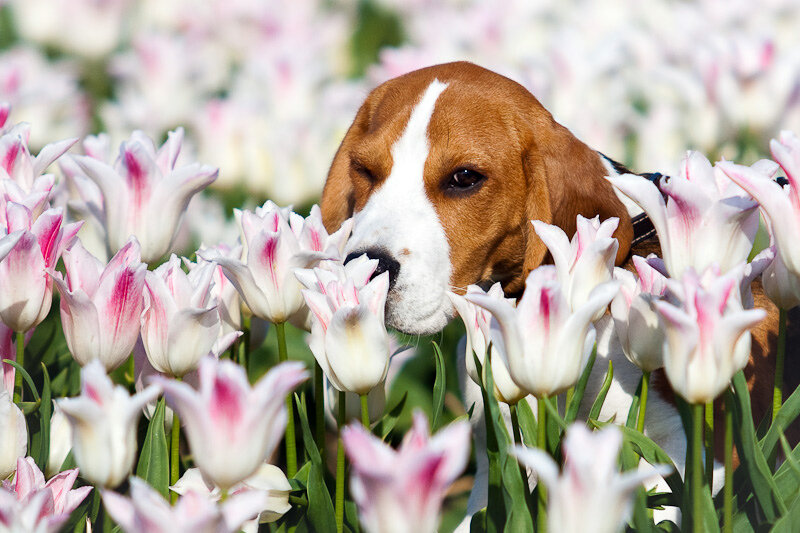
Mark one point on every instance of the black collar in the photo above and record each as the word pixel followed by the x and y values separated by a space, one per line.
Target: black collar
pixel 643 227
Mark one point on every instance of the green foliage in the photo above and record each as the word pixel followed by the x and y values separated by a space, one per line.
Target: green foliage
pixel 153 465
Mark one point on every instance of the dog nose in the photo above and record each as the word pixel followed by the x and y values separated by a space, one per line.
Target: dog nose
pixel 385 263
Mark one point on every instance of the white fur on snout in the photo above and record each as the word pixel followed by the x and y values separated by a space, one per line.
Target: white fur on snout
pixel 400 220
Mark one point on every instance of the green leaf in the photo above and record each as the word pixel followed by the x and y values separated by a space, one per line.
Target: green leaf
pixel 387 423
pixel 308 438
pixel 438 388
pixel 580 388
pixel 594 412
pixel 153 464
pixel 633 411
pixel 786 415
pixel 27 377
pixel 527 422
pixel 653 454
pixel 44 416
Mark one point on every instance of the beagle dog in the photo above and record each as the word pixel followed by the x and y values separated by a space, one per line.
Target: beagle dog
pixel 442 170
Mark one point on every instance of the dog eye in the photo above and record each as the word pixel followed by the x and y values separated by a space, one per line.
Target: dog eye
pixel 362 171
pixel 465 178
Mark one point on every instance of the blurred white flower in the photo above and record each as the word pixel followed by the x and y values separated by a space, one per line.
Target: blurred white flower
pixel 13 435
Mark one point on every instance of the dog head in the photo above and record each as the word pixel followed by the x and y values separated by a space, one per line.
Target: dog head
pixel 443 169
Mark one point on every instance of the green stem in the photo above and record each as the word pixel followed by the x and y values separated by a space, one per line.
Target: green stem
pixel 223 495
pixel 291 446
pixel 541 515
pixel 340 419
pixel 21 362
pixel 727 490
pixel 175 455
pixel 708 438
pixel 643 402
pixel 365 411
pixel 697 468
pixel 777 394
pixel 319 409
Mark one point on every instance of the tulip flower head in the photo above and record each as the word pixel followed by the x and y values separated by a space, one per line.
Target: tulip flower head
pixel 13 434
pixel 590 494
pixel 30 504
pixel 780 285
pixel 707 334
pixel 584 262
pixel 226 413
pixel 636 322
pixel 27 287
pixel 17 164
pixel 348 336
pixel 101 306
pixel 402 490
pixel 146 510
pixel 104 419
pixel 144 193
pixel 180 321
pixel 705 219
pixel 546 345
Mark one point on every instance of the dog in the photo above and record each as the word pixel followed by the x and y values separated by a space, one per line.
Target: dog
pixel 442 170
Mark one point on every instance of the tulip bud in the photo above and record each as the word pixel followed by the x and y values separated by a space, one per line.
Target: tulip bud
pixel 13 435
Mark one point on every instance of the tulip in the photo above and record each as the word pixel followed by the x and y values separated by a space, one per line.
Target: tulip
pixel 635 319
pixel 104 419
pixel 271 252
pixel 705 219
pixel 226 413
pixel 403 490
pixel 481 333
pixel 348 336
pixel 5 111
pixel 145 195
pixel 13 435
pixel 584 262
pixel 780 285
pixel 147 511
pixel 268 479
pixel 30 504
pixel 27 288
pixel 546 345
pixel 101 307
pixel 312 235
pixel 60 441
pixel 707 337
pixel 180 322
pixel 222 290
pixel 590 494
pixel 17 164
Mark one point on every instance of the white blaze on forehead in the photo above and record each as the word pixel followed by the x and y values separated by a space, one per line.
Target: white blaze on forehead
pixel 400 220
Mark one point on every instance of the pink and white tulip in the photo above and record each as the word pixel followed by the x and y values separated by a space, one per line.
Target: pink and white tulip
pixel 18 165
pixel 705 219
pixel 30 504
pixel 780 285
pixel 482 332
pixel 222 290
pixel 546 343
pixel 101 306
pixel 144 193
pixel 403 490
pixel 584 262
pixel 104 419
pixel 781 206
pixel 146 511
pixel 180 321
pixel 13 435
pixel 707 334
pixel 226 413
pixel 271 252
pixel 636 322
pixel 589 494
pixel 348 336
pixel 27 287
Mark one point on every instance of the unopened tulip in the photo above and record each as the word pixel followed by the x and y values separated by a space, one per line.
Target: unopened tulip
pixel 30 504
pixel 13 435
pixel 101 306
pixel 180 322
pixel 707 334
pixel 271 252
pixel 104 419
pixel 226 413
pixel 144 193
pixel 584 262
pixel 546 344
pixel 635 319
pixel 147 511
pixel 590 494
pixel 348 336
pixel 27 288
pixel 481 333
pixel 403 490
pixel 706 218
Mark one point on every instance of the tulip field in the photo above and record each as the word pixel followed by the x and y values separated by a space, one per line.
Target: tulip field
pixel 185 348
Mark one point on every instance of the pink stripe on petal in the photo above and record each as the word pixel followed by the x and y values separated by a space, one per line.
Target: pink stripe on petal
pixel 126 301
pixel 226 403
pixel 10 157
